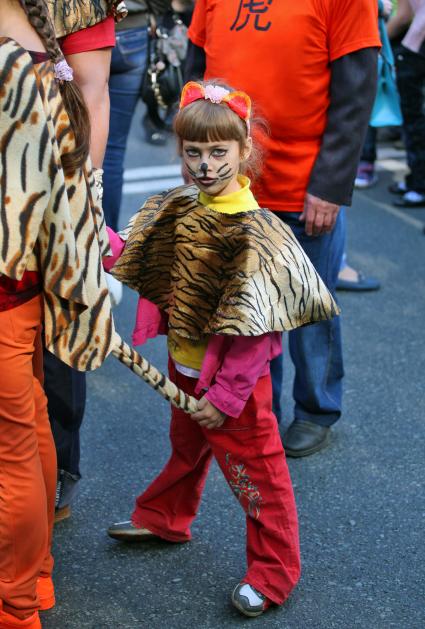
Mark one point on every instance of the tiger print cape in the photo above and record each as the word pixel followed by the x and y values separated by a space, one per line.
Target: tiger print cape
pixel 212 273
pixel 70 16
pixel 50 223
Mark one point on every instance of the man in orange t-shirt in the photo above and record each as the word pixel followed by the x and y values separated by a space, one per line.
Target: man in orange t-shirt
pixel 310 68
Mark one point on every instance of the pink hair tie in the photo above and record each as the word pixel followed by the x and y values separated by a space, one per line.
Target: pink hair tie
pixel 63 72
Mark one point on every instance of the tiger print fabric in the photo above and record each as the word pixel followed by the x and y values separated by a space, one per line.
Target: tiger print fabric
pixel 240 274
pixel 69 16
pixel 50 223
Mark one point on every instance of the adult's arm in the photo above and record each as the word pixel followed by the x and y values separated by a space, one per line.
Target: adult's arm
pixel 91 72
pixel 398 24
pixel 416 34
pixel 352 94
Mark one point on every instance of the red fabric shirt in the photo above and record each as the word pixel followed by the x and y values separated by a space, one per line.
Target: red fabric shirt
pixel 280 54
pixel 14 293
pixel 101 35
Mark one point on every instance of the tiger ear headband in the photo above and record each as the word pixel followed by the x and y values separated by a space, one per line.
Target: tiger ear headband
pixel 238 102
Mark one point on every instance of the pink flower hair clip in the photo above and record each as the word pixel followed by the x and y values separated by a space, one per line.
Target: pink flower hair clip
pixel 215 93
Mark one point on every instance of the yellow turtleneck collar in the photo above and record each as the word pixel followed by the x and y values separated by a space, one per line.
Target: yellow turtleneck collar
pixel 240 201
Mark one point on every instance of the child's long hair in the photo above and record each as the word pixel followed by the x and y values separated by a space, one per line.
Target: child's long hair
pixel 38 16
pixel 204 121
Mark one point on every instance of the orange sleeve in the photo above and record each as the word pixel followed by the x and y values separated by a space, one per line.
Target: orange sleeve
pixel 353 25
pixel 197 31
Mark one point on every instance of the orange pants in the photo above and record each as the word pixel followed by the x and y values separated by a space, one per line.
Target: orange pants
pixel 27 461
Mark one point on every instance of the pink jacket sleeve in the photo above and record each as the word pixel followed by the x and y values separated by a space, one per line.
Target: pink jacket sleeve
pixel 117 245
pixel 245 361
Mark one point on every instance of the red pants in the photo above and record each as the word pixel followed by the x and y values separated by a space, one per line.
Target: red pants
pixel 27 461
pixel 250 454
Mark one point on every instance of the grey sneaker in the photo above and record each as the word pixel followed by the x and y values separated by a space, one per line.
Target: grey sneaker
pixel 366 176
pixel 249 601
pixel 66 489
pixel 127 532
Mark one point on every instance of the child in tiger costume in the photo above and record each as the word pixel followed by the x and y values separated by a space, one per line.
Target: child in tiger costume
pixel 222 278
pixel 52 239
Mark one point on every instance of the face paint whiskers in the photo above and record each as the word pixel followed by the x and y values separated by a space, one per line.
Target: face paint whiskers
pixel 224 172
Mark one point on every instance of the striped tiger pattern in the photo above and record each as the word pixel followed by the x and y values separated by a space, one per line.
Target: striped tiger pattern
pixel 239 274
pixel 48 222
pixel 70 16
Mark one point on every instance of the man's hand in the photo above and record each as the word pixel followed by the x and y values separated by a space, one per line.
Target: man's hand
pixel 319 215
pixel 207 415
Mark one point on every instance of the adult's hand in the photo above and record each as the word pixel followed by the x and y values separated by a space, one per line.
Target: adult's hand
pixel 319 215
pixel 388 7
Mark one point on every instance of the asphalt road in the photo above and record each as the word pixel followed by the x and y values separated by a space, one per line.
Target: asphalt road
pixel 361 501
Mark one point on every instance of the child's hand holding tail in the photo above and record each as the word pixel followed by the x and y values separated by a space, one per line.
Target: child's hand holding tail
pixel 207 415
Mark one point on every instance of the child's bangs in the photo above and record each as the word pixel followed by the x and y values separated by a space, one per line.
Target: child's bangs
pixel 203 121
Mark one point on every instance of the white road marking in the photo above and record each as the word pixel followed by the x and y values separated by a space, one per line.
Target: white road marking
pixel 413 222
pixel 152 172
pixel 389 152
pixel 393 165
pixel 152 185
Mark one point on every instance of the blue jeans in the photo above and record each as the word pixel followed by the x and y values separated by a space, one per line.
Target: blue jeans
pixel 127 66
pixel 315 349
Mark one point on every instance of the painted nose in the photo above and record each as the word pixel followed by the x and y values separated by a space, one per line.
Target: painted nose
pixel 204 168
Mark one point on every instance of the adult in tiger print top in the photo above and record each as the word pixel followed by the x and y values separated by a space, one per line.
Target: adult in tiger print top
pixel 51 223
pixel 70 17
pixel 51 231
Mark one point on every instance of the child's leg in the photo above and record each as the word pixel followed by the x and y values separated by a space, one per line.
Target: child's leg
pixel 171 501
pixel 250 454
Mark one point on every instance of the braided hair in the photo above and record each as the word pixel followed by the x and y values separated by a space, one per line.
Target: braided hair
pixel 39 17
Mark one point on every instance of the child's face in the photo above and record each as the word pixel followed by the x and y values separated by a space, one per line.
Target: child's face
pixel 214 166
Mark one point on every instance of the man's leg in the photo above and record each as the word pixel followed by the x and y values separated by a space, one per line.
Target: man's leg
pixel 316 350
pixel 369 146
pixel 66 393
pixel 410 82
